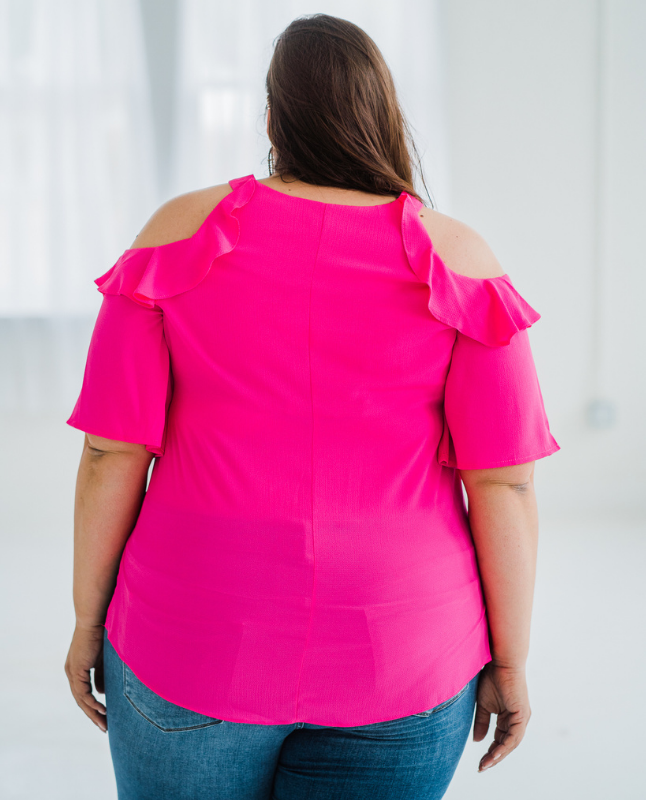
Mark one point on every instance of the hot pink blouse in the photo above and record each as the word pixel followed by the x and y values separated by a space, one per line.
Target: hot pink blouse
pixel 310 376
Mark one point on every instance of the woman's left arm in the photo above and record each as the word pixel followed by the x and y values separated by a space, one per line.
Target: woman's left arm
pixel 110 488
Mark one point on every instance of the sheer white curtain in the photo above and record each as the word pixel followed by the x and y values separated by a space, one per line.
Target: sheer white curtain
pixel 77 165
pixel 77 145
pixel 224 52
pixel 76 148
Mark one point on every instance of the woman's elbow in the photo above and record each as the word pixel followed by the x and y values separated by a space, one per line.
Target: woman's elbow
pixel 99 447
pixel 519 478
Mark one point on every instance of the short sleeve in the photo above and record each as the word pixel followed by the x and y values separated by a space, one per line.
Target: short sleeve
pixel 493 408
pixel 127 385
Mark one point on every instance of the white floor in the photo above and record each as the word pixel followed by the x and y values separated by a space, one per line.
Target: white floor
pixel 586 737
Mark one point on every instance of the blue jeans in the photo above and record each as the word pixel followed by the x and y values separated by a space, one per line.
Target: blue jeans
pixel 161 751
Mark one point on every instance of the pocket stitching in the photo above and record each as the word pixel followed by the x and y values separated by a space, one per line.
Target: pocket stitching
pixel 152 722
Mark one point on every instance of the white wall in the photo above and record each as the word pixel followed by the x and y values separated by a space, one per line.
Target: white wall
pixel 524 94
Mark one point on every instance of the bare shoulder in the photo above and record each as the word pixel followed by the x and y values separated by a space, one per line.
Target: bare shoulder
pixel 180 217
pixel 460 247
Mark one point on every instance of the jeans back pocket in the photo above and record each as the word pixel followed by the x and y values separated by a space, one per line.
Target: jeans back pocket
pixel 443 705
pixel 159 712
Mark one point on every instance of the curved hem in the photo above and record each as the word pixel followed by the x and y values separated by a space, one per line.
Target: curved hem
pixel 451 693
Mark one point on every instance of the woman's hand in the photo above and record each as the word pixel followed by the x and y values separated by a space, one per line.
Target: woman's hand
pixel 86 653
pixel 502 690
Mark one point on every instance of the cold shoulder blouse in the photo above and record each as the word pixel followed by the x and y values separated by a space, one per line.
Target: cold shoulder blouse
pixel 310 377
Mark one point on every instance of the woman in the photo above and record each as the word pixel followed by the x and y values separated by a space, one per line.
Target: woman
pixel 296 605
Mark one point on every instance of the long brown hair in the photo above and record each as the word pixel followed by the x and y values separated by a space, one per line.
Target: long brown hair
pixel 335 119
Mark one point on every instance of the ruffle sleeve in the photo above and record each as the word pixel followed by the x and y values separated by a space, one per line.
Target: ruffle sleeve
pixel 494 414
pixel 489 310
pixel 127 385
pixel 149 274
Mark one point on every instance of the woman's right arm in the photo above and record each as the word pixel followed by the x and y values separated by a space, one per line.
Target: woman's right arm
pixel 504 525
pixel 494 415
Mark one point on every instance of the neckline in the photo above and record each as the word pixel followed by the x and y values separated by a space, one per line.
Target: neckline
pixel 398 199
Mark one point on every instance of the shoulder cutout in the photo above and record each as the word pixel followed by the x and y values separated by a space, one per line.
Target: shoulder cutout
pixel 181 217
pixel 177 248
pixel 469 292
pixel 460 247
